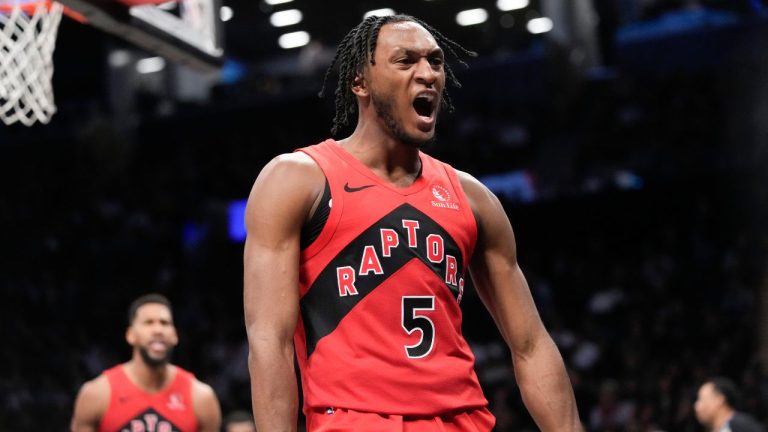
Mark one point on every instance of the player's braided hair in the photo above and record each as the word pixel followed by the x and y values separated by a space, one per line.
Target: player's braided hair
pixel 359 46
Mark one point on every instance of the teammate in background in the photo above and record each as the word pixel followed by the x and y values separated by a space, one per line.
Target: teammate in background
pixel 715 407
pixel 239 421
pixel 147 393
pixel 357 254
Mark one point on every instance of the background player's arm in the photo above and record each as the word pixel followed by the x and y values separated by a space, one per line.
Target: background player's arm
pixel 539 368
pixel 207 407
pixel 279 203
pixel 90 405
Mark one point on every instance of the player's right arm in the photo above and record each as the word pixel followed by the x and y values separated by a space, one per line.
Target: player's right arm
pixel 280 202
pixel 90 405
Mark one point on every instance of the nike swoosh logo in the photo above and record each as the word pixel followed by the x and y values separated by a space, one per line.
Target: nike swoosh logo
pixel 356 189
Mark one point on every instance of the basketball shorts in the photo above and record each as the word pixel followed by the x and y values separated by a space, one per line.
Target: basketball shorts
pixel 343 420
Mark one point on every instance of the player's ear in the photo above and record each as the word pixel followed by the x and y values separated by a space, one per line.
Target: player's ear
pixel 174 337
pixel 130 336
pixel 359 85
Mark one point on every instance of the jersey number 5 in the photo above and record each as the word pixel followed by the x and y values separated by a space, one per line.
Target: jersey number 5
pixel 412 322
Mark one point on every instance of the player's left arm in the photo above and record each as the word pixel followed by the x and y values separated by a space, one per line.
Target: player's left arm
pixel 207 407
pixel 539 368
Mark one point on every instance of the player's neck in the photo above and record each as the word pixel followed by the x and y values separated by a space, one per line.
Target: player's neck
pixel 149 378
pixel 721 418
pixel 392 160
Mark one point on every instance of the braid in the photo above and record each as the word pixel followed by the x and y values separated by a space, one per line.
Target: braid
pixel 374 36
pixel 359 47
pixel 333 63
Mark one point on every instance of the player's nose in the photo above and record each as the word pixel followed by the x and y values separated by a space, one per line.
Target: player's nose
pixel 426 73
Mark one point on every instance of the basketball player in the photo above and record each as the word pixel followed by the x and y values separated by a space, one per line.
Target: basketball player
pixel 357 255
pixel 715 408
pixel 147 393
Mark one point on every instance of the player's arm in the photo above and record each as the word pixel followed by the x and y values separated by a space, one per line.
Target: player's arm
pixel 90 405
pixel 539 368
pixel 207 407
pixel 279 203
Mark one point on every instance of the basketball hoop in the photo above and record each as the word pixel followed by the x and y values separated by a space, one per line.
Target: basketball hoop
pixel 27 38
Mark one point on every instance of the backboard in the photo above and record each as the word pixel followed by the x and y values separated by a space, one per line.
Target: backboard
pixel 184 31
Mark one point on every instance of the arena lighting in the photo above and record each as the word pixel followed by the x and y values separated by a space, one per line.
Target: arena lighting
pixel 471 17
pixel 285 18
pixel 276 2
pixel 236 217
pixel 539 25
pixel 226 13
pixel 150 65
pixel 379 12
pixel 119 58
pixel 508 5
pixel 293 40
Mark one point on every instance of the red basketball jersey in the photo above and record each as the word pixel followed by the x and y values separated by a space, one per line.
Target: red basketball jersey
pixel 380 323
pixel 131 409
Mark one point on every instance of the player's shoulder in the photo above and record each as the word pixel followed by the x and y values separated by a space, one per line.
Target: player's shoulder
pixel 294 177
pixel 297 158
pixel 202 390
pixel 296 163
pixel 485 205
pixel 97 385
pixel 291 172
pixel 94 395
pixel 476 191
pixel 91 404
pixel 467 179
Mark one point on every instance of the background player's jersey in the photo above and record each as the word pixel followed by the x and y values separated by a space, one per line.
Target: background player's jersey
pixel 131 409
pixel 380 324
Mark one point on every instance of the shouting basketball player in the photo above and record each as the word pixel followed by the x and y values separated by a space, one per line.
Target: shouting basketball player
pixel 357 256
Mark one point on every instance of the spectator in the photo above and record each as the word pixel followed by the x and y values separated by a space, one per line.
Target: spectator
pixel 716 408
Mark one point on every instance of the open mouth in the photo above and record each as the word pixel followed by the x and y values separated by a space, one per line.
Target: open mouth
pixel 425 104
pixel 158 346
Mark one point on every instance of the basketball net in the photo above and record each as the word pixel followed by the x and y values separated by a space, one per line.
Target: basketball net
pixel 27 39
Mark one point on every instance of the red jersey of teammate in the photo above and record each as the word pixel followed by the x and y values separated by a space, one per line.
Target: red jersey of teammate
pixel 131 409
pixel 380 323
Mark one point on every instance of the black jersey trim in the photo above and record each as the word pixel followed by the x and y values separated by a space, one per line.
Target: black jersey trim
pixel 314 226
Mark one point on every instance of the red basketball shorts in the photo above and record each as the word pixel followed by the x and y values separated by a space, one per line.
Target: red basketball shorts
pixel 342 420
